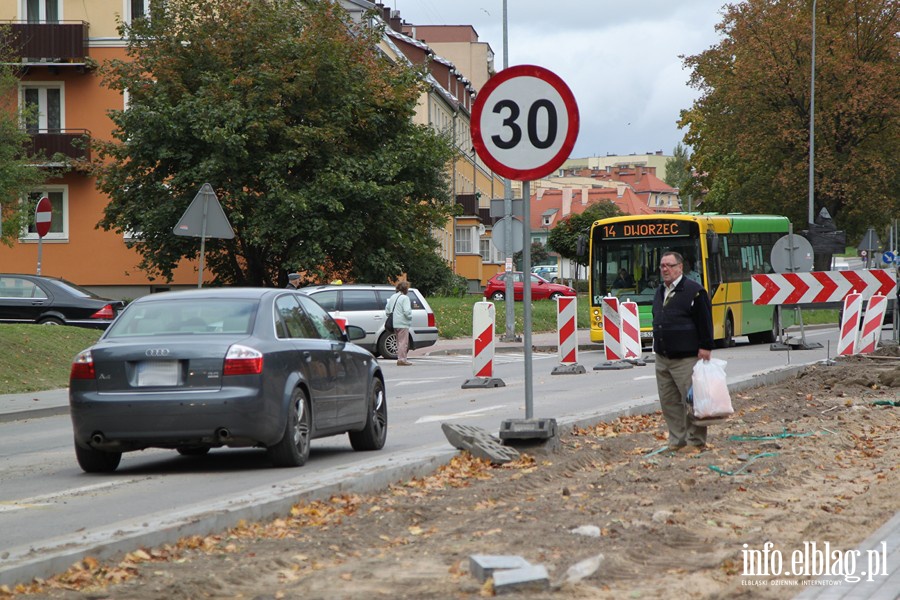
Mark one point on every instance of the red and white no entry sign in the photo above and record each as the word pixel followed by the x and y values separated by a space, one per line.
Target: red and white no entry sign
pixel 42 216
pixel 524 122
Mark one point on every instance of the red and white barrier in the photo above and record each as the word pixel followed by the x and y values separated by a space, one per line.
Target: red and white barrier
pixel 612 328
pixel 566 315
pixel 871 329
pixel 631 329
pixel 850 325
pixel 483 339
pixel 820 286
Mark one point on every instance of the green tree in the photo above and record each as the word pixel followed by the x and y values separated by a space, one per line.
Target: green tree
pixel 17 173
pixel 539 255
pixel 564 237
pixel 749 129
pixel 679 174
pixel 300 125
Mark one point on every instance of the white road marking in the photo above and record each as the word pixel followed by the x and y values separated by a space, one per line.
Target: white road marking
pixel 644 377
pixel 420 381
pixel 42 500
pixel 459 415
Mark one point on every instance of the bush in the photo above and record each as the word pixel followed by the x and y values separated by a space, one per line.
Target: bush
pixel 430 275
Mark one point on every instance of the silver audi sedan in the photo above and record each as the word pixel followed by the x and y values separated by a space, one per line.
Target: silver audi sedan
pixel 240 367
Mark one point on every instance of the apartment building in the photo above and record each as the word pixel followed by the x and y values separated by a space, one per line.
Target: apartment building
pixel 58 45
pixel 448 108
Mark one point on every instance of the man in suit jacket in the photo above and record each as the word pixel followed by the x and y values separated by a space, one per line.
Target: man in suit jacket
pixel 682 335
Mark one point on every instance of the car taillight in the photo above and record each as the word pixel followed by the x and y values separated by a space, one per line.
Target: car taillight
pixel 431 319
pixel 243 360
pixel 107 312
pixel 82 366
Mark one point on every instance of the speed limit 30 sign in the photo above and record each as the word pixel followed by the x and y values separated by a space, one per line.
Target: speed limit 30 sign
pixel 524 122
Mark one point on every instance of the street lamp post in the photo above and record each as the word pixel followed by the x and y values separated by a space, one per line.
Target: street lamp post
pixel 510 333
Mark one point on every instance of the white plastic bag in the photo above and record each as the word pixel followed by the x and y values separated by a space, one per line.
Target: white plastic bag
pixel 710 390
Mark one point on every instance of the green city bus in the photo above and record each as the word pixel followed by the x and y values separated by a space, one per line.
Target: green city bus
pixel 721 251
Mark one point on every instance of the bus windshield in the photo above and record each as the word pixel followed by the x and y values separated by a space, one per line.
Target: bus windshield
pixel 630 267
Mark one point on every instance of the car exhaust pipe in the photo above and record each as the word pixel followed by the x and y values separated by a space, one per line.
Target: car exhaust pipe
pixel 97 439
pixel 222 434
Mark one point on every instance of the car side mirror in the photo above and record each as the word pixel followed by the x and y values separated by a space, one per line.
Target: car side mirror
pixel 354 332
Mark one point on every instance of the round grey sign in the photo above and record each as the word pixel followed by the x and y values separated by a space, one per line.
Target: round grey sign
pixel 792 254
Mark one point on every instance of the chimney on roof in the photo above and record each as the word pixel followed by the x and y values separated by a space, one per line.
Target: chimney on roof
pixel 396 22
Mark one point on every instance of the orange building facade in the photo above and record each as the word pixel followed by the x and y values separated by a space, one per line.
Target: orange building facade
pixel 60 44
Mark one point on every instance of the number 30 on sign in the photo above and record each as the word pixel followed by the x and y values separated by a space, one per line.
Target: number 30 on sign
pixel 524 122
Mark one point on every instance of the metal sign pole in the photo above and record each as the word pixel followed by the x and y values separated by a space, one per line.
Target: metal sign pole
pixel 203 240
pixel 526 297
pixel 40 252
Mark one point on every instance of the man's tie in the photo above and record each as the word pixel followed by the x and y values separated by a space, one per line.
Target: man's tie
pixel 669 294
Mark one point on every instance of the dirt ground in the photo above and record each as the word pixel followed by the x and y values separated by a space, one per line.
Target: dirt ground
pixel 813 460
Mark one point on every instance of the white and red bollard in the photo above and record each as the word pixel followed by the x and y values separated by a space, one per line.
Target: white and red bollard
pixel 850 325
pixel 621 335
pixel 872 323
pixel 483 315
pixel 612 325
pixel 567 333
pixel 630 330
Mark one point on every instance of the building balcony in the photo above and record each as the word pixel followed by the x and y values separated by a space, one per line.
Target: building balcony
pixel 60 146
pixel 46 44
pixel 469 204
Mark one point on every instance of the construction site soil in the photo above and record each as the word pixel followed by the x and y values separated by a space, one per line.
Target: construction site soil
pixel 610 513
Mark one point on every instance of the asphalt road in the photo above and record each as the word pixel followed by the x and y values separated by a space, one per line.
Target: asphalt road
pixel 51 513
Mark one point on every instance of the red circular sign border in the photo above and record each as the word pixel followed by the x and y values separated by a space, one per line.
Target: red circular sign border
pixel 571 134
pixel 45 202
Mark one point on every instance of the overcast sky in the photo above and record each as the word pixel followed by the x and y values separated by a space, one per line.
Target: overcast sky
pixel 620 58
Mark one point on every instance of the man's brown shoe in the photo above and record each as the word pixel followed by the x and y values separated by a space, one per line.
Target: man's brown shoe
pixel 404 363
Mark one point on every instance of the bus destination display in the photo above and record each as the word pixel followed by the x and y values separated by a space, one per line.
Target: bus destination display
pixel 635 229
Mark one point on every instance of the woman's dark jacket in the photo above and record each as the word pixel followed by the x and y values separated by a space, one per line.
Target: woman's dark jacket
pixel 684 325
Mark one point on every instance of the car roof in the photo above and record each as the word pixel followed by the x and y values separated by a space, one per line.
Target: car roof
pixel 354 286
pixel 212 293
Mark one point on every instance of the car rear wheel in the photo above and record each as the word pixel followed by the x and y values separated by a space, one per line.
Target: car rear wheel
pixel 387 345
pixel 374 434
pixel 96 461
pixel 50 321
pixel 498 296
pixel 293 448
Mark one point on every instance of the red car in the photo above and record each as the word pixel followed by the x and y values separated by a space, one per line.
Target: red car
pixel 541 289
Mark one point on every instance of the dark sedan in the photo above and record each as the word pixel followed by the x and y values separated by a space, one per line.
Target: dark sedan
pixel 242 367
pixel 52 301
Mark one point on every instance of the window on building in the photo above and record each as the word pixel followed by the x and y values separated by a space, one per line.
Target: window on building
pixel 59 218
pixel 42 11
pixel 464 243
pixel 489 254
pixel 135 9
pixel 46 101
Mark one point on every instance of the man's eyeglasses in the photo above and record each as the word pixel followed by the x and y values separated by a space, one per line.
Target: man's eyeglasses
pixel 668 265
